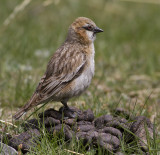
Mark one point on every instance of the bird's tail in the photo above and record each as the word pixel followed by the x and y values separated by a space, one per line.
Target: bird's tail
pixel 19 113
pixel 31 103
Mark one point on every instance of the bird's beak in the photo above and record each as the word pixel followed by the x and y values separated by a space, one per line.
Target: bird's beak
pixel 97 30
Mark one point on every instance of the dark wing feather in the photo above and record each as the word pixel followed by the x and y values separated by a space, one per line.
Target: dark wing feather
pixel 66 64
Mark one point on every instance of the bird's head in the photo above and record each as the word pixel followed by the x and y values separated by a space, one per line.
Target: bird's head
pixel 83 30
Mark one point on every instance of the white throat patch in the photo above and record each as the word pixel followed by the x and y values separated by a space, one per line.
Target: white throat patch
pixel 91 36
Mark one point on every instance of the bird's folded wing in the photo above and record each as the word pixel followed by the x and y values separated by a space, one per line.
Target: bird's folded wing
pixel 61 70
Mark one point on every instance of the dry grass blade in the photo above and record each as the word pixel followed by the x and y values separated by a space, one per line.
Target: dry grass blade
pixel 73 152
pixel 16 10
pixel 8 123
pixel 143 1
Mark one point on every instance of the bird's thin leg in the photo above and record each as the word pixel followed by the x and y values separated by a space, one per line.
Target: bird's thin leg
pixel 71 113
pixel 65 104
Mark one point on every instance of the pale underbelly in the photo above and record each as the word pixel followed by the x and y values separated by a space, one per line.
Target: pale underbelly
pixel 81 83
pixel 78 86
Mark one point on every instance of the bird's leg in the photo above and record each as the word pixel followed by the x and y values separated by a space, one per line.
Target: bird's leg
pixel 71 112
pixel 65 105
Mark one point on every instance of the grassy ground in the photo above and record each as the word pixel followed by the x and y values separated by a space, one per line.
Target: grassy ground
pixel 127 54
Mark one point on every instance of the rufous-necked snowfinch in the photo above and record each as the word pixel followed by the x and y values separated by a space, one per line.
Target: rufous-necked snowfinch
pixel 70 70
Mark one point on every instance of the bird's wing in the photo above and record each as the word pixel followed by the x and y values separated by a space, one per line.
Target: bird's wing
pixel 63 67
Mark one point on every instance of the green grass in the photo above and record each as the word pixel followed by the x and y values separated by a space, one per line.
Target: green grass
pixel 127 56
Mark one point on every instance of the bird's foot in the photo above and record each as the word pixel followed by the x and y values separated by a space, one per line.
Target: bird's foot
pixel 69 112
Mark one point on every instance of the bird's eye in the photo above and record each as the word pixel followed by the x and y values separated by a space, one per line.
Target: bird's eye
pixel 89 28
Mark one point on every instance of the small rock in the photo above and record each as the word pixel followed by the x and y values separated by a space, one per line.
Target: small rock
pixel 142 127
pixel 7 150
pixel 108 141
pixel 120 123
pixel 84 123
pixel 68 133
pixel 49 121
pixel 87 137
pixel 100 122
pixel 112 131
pixel 31 124
pixel 85 128
pixel 61 129
pixel 86 116
pixel 26 139
pixel 70 121
pixel 51 113
pixel 93 134
pixel 140 120
pixel 84 137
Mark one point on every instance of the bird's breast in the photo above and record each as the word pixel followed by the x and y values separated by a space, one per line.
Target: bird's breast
pixel 83 81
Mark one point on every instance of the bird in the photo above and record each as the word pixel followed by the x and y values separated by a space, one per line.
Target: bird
pixel 71 68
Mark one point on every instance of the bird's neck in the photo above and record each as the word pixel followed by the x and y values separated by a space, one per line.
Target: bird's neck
pixel 78 38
